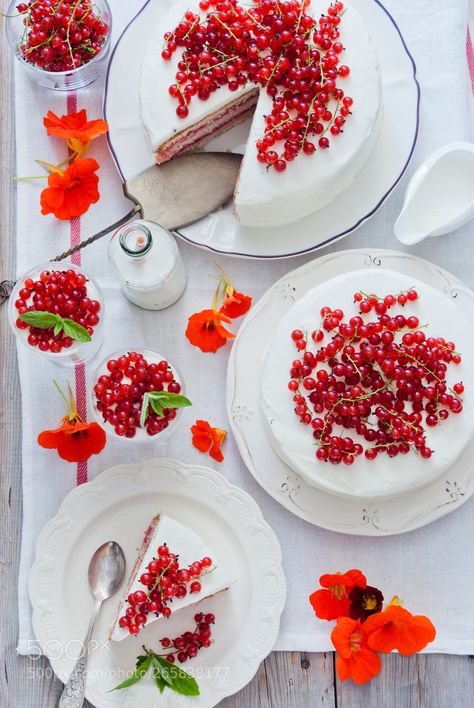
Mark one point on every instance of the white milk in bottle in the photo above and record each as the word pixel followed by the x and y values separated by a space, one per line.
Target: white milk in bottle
pixel 145 258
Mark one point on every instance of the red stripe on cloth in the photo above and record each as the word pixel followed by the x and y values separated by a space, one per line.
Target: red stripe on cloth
pixel 470 58
pixel 75 237
pixel 81 402
pixel 82 472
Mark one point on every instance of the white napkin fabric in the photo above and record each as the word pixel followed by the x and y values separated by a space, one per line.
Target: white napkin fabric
pixel 431 568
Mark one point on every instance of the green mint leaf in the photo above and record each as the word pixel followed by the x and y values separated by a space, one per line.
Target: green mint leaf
pixel 40 319
pixel 157 407
pixel 58 327
pixel 163 672
pixel 75 331
pixel 169 400
pixel 139 673
pixel 144 411
pixel 159 681
pixel 159 400
pixel 181 681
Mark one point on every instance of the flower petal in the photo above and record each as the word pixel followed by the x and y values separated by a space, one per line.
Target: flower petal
pixel 71 193
pixel 205 330
pixel 49 438
pixel 327 606
pixel 236 305
pixel 74 126
pixel 361 667
pixel 208 439
pixel 74 442
pixel 342 633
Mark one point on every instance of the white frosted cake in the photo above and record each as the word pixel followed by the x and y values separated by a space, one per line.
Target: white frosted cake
pixel 189 548
pixel 264 197
pixel 293 441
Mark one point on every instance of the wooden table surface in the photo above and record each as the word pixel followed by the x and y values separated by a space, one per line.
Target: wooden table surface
pixel 284 680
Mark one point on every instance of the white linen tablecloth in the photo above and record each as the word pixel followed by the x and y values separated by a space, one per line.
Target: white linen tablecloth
pixel 431 568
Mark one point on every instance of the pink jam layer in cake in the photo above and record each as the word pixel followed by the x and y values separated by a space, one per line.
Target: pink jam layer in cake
pixel 218 122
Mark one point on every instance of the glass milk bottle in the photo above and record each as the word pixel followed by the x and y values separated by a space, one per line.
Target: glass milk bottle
pixel 146 260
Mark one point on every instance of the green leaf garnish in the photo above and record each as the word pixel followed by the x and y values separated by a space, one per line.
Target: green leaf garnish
pixel 139 673
pixel 159 400
pixel 40 319
pixel 162 671
pixel 159 681
pixel 75 331
pixel 165 674
pixel 181 681
pixel 46 320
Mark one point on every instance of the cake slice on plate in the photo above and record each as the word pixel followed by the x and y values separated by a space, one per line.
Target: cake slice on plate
pixel 174 569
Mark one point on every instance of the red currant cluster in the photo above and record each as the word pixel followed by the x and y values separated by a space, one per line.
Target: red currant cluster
pixel 163 580
pixel 383 389
pixel 119 394
pixel 61 35
pixel 61 293
pixel 278 46
pixel 188 644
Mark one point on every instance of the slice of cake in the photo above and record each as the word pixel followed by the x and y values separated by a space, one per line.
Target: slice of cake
pixel 325 121
pixel 174 569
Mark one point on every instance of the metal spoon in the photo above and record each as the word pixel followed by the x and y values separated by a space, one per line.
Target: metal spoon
pixel 106 571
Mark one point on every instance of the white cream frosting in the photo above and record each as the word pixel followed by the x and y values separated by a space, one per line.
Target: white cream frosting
pixel 190 547
pixel 384 476
pixel 264 197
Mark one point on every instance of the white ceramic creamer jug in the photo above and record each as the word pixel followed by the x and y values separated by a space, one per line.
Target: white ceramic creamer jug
pixel 440 195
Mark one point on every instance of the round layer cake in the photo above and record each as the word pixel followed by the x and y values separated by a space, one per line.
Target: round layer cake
pixel 264 197
pixel 293 441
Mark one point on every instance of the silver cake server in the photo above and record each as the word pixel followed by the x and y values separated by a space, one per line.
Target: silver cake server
pixel 178 192
pixel 174 194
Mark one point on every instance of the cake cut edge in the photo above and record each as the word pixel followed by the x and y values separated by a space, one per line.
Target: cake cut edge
pixel 147 539
pixel 213 125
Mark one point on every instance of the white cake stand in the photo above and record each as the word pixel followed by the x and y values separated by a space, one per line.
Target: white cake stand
pixel 353 515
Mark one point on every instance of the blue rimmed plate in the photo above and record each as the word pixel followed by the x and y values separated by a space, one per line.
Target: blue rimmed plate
pixel 221 232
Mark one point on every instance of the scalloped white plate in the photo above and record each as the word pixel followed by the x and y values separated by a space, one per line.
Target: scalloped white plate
pixel 353 515
pixel 220 232
pixel 118 505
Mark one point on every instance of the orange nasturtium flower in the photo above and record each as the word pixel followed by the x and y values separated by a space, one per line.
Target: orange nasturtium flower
pixel 235 304
pixel 208 439
pixel 74 440
pixel 75 128
pixel 396 628
pixel 332 601
pixel 355 659
pixel 70 192
pixel 206 330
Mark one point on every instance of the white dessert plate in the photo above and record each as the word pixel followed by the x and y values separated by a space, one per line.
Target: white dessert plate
pixel 220 231
pixel 118 505
pixel 347 514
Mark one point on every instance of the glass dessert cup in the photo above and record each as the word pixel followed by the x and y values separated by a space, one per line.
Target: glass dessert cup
pixel 107 407
pixel 77 351
pixel 59 80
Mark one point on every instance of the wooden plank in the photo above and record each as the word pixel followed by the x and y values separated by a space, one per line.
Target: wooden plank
pixel 420 681
pixel 289 680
